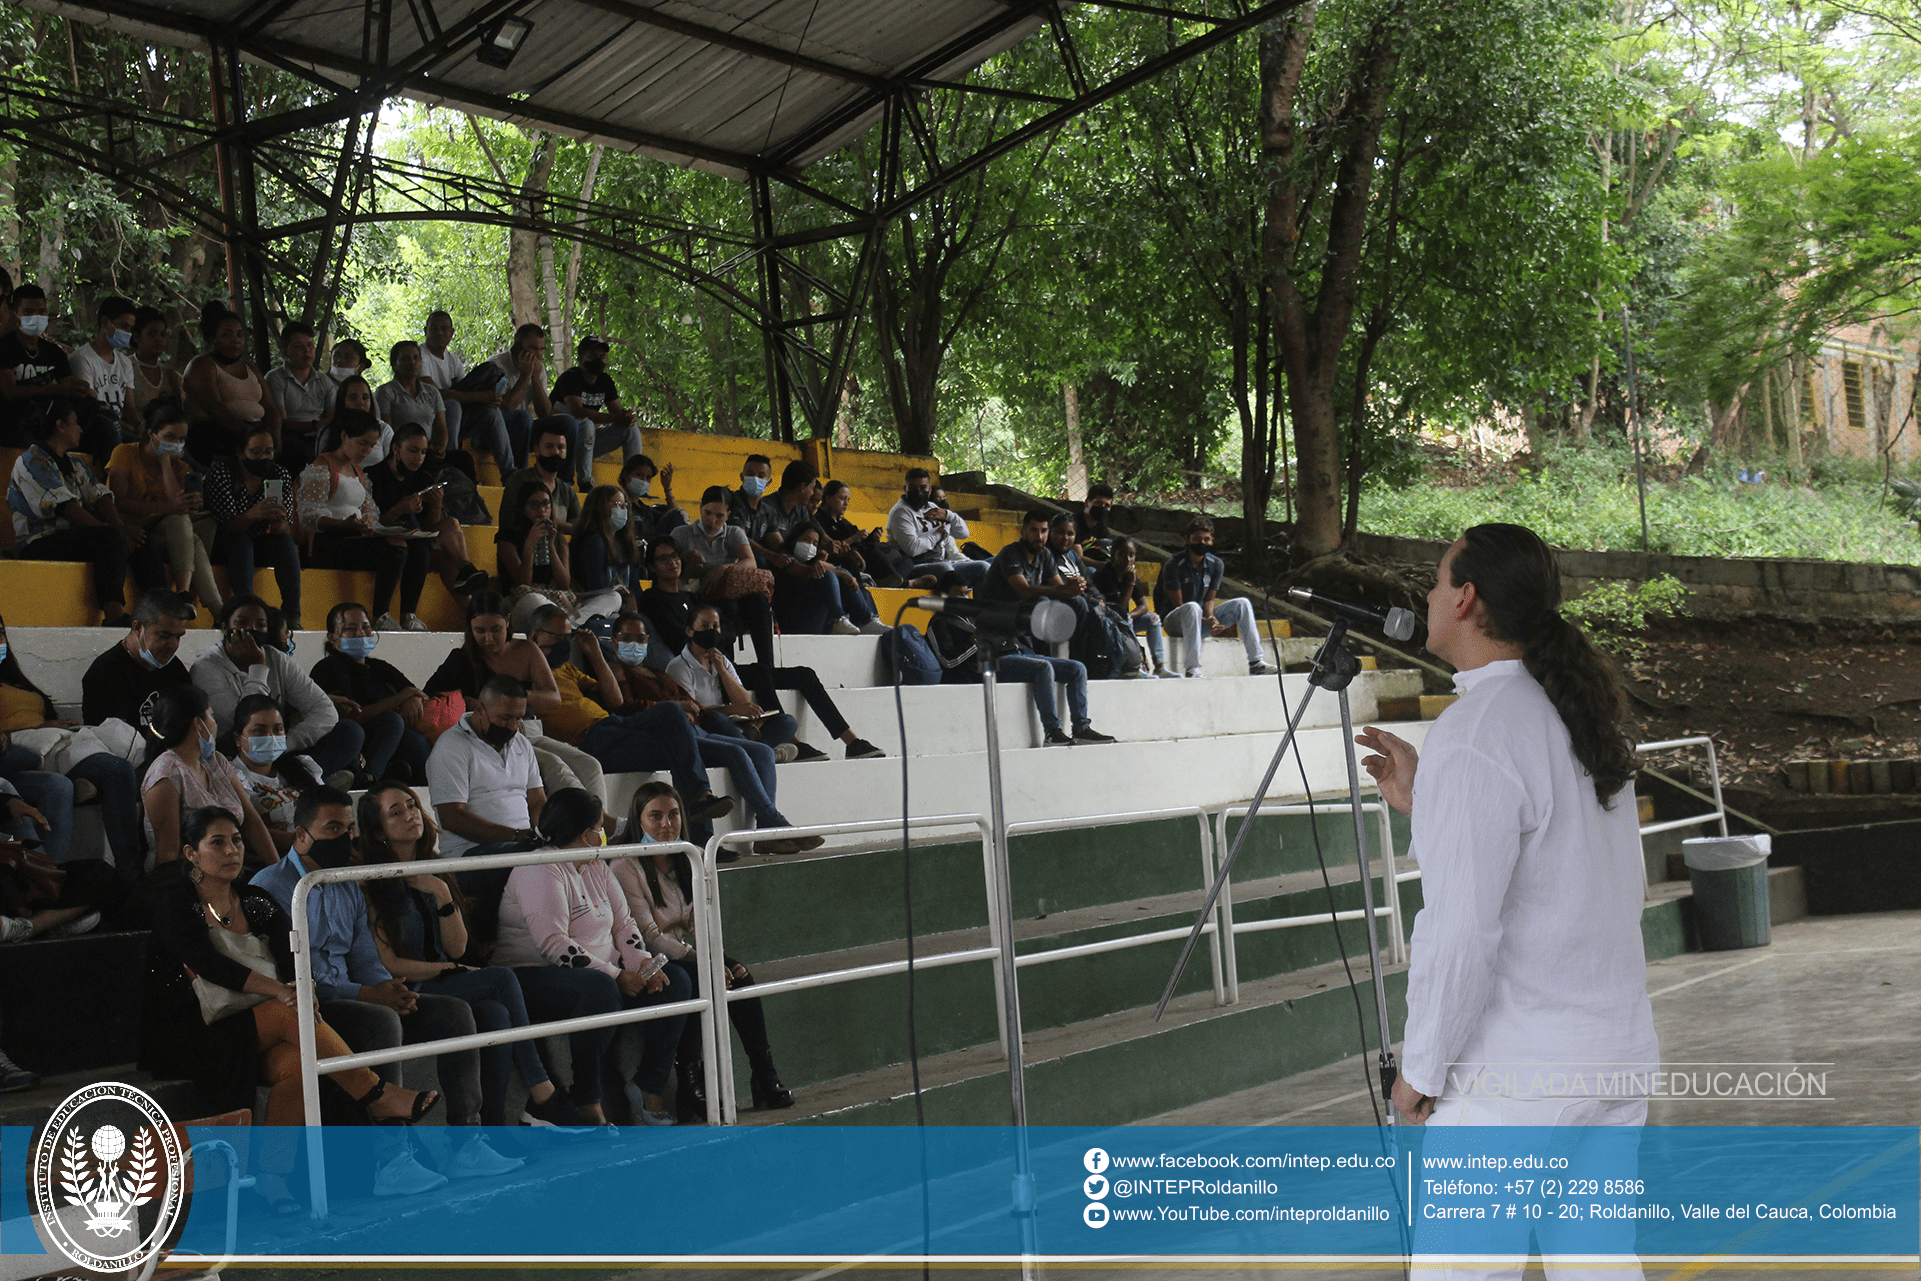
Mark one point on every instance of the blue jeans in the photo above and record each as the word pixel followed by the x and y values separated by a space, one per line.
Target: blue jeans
pixel 659 738
pixel 118 785
pixel 390 743
pixel 52 795
pixel 495 998
pixel 750 765
pixel 339 748
pixel 488 429
pixel 972 572
pixel 554 993
pixel 777 729
pixel 1042 671
pixel 593 441
pixel 243 551
pixel 806 606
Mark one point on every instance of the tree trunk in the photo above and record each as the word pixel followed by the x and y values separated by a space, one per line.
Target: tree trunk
pixel 564 334
pixel 1796 459
pixel 523 246
pixel 1076 463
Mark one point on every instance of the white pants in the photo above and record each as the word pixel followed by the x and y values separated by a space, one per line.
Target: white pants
pixel 1436 1258
pixel 1185 622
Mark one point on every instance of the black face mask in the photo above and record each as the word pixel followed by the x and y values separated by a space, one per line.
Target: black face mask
pixel 550 463
pixel 335 851
pixel 497 735
pixel 916 501
pixel 265 468
pixel 706 637
pixel 595 367
pixel 559 652
pixel 1197 550
pixel 259 635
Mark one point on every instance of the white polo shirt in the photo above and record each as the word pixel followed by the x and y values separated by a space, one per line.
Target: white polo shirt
pixel 492 782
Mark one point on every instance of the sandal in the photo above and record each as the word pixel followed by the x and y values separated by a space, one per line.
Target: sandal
pixel 424 1103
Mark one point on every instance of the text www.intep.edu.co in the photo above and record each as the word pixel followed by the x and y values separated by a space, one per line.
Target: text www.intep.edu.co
pixel 1236 1161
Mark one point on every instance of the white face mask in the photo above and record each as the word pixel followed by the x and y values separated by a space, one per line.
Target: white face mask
pixel 803 552
pixel 33 326
pixel 341 373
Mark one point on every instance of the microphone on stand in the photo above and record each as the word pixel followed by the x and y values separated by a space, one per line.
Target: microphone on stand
pixel 1395 622
pixel 1042 617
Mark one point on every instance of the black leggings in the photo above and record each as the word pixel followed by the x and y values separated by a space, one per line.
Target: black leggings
pixel 749 1020
pixel 765 679
pixel 403 567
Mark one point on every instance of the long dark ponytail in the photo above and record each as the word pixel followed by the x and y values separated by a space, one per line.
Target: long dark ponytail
pixel 1519 585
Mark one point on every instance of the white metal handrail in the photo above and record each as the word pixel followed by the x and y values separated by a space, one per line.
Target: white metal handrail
pixel 312 1068
pixel 710 945
pixel 1719 814
pixel 1389 879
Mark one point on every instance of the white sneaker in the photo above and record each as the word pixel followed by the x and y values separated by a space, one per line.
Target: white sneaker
pixel 1192 673
pixel 388 623
pixel 1261 667
pixel 77 926
pixel 15 929
pixel 404 1176
pixel 641 1115
pixel 874 627
pixel 843 626
pixel 786 752
pixel 413 624
pixel 476 1160
pixel 1165 674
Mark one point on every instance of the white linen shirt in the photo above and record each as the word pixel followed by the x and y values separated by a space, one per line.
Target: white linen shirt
pixel 1527 957
pixel 492 782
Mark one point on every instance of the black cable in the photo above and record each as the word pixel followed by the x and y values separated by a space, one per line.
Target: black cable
pixel 1327 884
pixel 907 905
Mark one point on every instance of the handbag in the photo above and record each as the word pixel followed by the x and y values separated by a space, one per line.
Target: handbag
pixel 438 714
pixel 217 1002
pixel 40 876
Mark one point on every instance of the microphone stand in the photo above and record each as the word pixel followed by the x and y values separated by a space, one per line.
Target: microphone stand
pixel 1025 1194
pixel 1334 668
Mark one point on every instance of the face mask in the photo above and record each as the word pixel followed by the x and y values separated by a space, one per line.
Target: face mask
pixel 335 851
pixel 497 735
pixel 803 552
pixel 648 840
pixel 341 373
pixel 916 501
pixel 287 648
pixel 263 467
pixel 1197 550
pixel 551 463
pixel 3 651
pixel 357 646
pixel 617 518
pixel 754 486
pixel 559 652
pixel 33 326
pixel 169 448
pixel 630 652
pixel 146 656
pixel 267 750
pixel 595 367
pixel 706 637
pixel 206 749
pixel 119 340
pixel 639 488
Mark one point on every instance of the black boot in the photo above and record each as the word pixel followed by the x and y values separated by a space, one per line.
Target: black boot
pixel 690 1091
pixel 766 1086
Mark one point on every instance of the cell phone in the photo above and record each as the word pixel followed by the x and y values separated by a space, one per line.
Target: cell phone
pixel 273 489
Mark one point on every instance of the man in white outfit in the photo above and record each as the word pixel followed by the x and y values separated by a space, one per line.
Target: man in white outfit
pixel 1527 992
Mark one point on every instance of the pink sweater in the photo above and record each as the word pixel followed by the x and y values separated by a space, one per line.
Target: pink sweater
pixel 571 914
pixel 668 926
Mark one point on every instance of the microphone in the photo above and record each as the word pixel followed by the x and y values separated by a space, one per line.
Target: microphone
pixel 1396 622
pixel 1043 618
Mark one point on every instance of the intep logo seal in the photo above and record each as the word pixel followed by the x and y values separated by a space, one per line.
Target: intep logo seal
pixel 108 1178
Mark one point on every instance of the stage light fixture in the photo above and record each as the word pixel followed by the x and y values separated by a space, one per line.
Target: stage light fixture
pixel 501 39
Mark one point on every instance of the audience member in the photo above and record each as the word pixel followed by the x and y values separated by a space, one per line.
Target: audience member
pixel 338 510
pixel 545 469
pixel 38 901
pixel 34 371
pixel 408 398
pixel 1190 588
pixel 220 1009
pixel 1096 537
pixel 658 738
pixel 183 772
pixel 482 775
pixel 157 492
pixel 124 681
pixel 226 393
pixel 61 512
pixel 1027 569
pixel 106 366
pixel 744 505
pixel 348 360
pixel 1103 641
pixel 1118 581
pixel 373 694
pixel 38 808
pixel 489 649
pixel 952 546
pixel 961 650
pixel 845 545
pixel 471 413
pixel 420 933
pixel 565 929
pixel 808 596
pixel 154 377
pixel 524 400
pixel 244 663
pixel 652 520
pixel 279 634
pixel 588 393
pixel 605 555
pixel 252 498
pixel 304 393
pixel 531 552
pixel 353 400
pixel 371 1008
pixel 273 777
pixel 660 892
pixel 116 786
pixel 915 531
pixel 717 557
pixel 409 498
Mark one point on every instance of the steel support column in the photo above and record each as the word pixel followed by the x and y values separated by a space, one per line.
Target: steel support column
pixel 780 391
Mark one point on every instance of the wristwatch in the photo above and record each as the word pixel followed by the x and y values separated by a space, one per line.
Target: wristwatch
pixel 449 908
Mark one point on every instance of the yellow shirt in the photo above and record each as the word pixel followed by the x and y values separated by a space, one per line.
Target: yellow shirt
pixel 577 712
pixel 20 709
pixel 147 481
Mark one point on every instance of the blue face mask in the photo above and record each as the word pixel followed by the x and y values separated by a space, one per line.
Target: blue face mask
pixel 146 656
pixel 120 339
pixel 3 651
pixel 648 840
pixel 166 448
pixel 206 749
pixel 265 751
pixel 753 485
pixel 617 518
pixel 357 646
pixel 33 326
pixel 640 488
pixel 628 652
